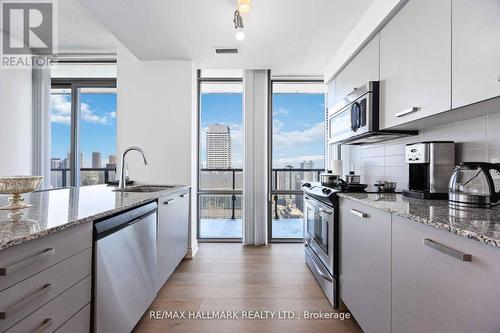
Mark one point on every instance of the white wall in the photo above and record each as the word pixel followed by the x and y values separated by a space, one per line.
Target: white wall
pixel 15 122
pixel 154 113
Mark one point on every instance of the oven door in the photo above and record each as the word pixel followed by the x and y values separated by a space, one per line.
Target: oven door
pixel 319 230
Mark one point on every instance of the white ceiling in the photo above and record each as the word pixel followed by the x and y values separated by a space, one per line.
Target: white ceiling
pixel 287 36
pixel 80 32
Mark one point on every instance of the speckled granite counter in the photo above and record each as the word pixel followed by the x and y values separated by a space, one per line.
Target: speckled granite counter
pixel 481 224
pixel 60 209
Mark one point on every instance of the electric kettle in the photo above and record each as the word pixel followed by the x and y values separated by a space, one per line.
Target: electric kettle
pixel 475 184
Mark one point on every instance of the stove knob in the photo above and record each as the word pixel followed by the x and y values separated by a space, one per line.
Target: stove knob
pixel 307 185
pixel 326 190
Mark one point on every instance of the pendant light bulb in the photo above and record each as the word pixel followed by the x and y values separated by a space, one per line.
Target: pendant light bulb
pixel 244 6
pixel 240 35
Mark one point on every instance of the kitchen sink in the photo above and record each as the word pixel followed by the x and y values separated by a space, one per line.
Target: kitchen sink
pixel 146 188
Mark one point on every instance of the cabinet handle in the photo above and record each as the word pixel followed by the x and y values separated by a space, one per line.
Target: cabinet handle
pixel 183 195
pixel 26 301
pixel 168 201
pixel 46 323
pixel 329 212
pixel 358 213
pixel 26 262
pixel 447 250
pixel 407 111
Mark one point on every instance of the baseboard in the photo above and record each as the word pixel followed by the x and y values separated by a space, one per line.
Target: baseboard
pixel 191 253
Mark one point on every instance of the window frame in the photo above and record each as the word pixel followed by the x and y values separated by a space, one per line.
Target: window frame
pixel 200 192
pixel 272 192
pixel 75 84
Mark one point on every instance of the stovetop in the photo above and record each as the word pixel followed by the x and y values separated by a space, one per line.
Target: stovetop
pixel 326 194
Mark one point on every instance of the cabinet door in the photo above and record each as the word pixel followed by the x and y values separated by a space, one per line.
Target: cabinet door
pixel 415 62
pixel 435 292
pixel 365 265
pixel 165 240
pixel 475 51
pixel 181 227
pixel 363 67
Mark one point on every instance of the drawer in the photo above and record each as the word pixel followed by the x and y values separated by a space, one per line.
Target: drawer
pixel 79 323
pixel 20 262
pixel 25 297
pixel 58 311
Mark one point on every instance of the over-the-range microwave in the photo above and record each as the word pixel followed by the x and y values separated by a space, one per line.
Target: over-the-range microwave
pixel 355 119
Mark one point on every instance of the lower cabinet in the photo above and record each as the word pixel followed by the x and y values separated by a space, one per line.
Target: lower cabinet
pixel 365 265
pixel 173 233
pixel 435 288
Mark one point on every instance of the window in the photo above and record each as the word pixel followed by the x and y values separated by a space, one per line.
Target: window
pixel 84 132
pixel 297 151
pixel 220 158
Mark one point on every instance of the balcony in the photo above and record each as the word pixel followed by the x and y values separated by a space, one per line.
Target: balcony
pixel 59 177
pixel 220 202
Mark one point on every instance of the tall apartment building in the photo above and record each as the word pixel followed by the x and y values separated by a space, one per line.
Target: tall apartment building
pixel 218 147
pixel 308 176
pixel 96 160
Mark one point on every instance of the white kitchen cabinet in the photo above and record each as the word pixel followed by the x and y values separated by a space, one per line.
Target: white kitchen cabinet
pixel 415 62
pixel 362 68
pixel 434 291
pixel 475 51
pixel 365 265
pixel 172 239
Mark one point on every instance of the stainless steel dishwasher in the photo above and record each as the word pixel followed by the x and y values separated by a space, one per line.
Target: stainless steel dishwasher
pixel 125 268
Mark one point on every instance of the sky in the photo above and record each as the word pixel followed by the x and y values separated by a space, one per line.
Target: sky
pixel 97 125
pixel 298 126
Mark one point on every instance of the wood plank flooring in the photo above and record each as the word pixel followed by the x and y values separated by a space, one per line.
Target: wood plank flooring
pixel 232 277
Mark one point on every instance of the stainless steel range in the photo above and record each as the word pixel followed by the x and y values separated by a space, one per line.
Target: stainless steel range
pixel 321 236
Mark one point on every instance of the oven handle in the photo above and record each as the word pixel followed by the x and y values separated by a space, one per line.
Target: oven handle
pixel 325 276
pixel 328 211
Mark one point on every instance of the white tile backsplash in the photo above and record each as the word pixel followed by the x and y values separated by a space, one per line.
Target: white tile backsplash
pixel 476 139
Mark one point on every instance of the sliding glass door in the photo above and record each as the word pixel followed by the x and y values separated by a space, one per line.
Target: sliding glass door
pixel 220 182
pixel 297 152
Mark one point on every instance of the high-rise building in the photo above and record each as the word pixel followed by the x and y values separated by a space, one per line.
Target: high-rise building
pixel 112 159
pixel 96 160
pixel 307 176
pixel 218 147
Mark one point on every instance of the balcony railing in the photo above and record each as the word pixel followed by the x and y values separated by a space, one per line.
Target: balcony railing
pixel 227 184
pixel 89 176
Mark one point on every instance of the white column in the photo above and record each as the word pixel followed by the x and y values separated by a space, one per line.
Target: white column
pixel 255 180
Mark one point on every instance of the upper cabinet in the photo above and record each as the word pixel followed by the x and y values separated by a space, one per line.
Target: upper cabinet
pixel 475 51
pixel 363 67
pixel 415 62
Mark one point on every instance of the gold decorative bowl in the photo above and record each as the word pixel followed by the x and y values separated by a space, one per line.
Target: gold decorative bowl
pixel 16 186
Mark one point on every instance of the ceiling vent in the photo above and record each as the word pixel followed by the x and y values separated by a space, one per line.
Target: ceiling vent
pixel 226 50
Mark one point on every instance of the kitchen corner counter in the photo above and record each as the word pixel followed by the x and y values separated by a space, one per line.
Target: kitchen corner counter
pixel 59 209
pixel 480 224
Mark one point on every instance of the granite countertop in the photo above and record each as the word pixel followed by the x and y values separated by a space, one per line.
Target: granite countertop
pixel 480 224
pixel 59 209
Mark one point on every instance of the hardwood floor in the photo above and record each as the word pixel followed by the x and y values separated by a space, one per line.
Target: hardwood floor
pixel 232 277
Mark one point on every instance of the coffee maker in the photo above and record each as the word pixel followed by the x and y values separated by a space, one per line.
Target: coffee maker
pixel 430 165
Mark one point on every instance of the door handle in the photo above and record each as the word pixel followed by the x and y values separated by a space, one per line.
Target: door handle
pixel 26 301
pixel 46 323
pixel 358 213
pixel 447 250
pixel 27 262
pixel 407 111
pixel 168 201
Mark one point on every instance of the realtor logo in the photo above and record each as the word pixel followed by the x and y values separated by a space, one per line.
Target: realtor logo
pixel 28 32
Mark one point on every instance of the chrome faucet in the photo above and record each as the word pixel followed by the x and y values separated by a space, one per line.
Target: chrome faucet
pixel 123 182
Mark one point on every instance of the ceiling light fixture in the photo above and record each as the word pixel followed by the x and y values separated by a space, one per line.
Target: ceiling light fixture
pixel 238 25
pixel 244 6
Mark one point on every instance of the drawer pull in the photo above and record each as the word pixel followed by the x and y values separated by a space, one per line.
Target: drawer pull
pixel 318 269
pixel 26 301
pixel 26 262
pixel 447 250
pixel 46 324
pixel 183 195
pixel 169 201
pixel 358 213
pixel 407 111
